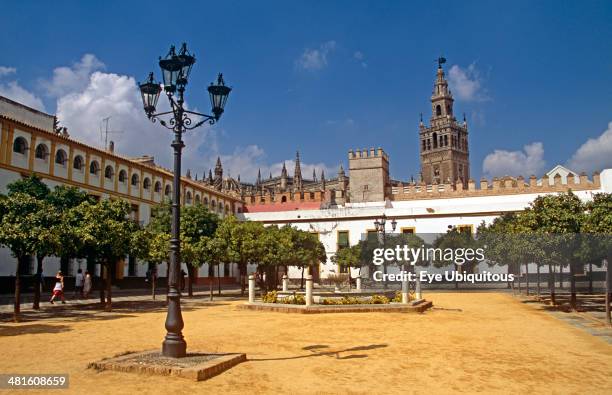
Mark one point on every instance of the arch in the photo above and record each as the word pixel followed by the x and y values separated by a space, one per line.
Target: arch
pixel 109 172
pixel 446 140
pixel 239 210
pixel 157 188
pixel 188 197
pixel 227 209
pixel 434 137
pixel 423 147
pixel 167 190
pixel 438 110
pixel 94 167
pixel 284 199
pixel 122 176
pixel 213 205
pixel 205 202
pixel 20 145
pixel 135 179
pixel 61 157
pixel 449 110
pixel 198 200
pixel 146 184
pixel 78 163
pixel 42 152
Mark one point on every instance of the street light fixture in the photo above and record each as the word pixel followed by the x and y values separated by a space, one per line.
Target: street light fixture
pixel 175 73
pixel 381 228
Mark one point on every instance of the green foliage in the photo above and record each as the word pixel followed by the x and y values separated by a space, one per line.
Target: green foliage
pixel 348 300
pixel 270 297
pixel 22 222
pixel 31 186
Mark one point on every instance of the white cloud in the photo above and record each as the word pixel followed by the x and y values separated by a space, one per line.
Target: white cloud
pixel 514 163
pixel 315 59
pixel 466 83
pixel 360 57
pixel 16 92
pixel 75 78
pixel 117 96
pixel 594 154
pixel 7 70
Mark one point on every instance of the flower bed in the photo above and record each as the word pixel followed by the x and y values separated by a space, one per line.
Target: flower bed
pixel 273 297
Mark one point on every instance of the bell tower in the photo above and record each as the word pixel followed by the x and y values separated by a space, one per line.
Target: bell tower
pixel 444 144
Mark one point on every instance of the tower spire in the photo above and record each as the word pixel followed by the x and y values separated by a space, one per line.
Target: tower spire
pixel 297 174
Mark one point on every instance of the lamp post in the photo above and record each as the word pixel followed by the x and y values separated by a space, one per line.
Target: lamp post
pixel 381 228
pixel 175 72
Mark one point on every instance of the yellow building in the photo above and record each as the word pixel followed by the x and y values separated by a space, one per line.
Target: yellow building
pixel 30 143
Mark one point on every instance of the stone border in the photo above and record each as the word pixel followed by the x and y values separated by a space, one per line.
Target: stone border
pixel 417 306
pixel 203 371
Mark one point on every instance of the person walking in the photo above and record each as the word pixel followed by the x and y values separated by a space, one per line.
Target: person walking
pixel 58 289
pixel 79 282
pixel 86 284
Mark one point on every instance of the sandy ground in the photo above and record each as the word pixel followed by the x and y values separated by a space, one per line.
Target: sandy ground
pixel 470 342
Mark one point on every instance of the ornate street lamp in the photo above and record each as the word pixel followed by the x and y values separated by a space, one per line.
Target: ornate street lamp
pixel 175 73
pixel 380 226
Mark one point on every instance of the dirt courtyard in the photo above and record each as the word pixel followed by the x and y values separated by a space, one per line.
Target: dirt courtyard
pixel 469 342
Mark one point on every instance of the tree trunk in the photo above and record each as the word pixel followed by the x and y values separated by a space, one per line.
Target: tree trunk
pixel 37 282
pixel 551 283
pixel 302 280
pixel 538 280
pixel 103 273
pixel 109 296
pixel 276 277
pixel 573 301
pixel 242 269
pixel 561 276
pixel 190 275
pixel 153 281
pixel 210 283
pixel 519 279
pixel 17 303
pixel 508 285
pixel 218 280
pixel 527 278
pixel 456 282
pixel 590 277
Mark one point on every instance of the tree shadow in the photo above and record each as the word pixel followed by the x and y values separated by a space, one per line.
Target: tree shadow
pixel 32 329
pixel 321 350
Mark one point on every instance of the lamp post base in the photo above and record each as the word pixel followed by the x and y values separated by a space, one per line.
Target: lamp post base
pixel 174 347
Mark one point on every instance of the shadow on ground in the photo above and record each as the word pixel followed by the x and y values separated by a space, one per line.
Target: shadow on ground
pixel 32 328
pixel 95 311
pixel 322 350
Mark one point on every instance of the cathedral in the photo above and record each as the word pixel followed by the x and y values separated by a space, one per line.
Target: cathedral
pixel 444 158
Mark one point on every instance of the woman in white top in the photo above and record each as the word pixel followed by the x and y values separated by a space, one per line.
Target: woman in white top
pixel 87 284
pixel 58 289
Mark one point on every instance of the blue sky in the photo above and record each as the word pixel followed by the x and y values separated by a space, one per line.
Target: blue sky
pixel 325 76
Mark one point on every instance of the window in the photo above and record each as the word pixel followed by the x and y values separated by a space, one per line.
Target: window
pixel 227 209
pixel 284 199
pixel 135 179
pixel 198 200
pixel 438 110
pixel 42 152
pixel 213 205
pixel 465 228
pixel 94 168
pixel 60 157
pixel 205 202
pixel 20 145
pixel 167 191
pixel 109 172
pixel 78 163
pixel 146 184
pixel 423 147
pixel 435 140
pixel 408 231
pixel 157 187
pixel 188 197
pixel 122 176
pixel 239 210
pixel 446 140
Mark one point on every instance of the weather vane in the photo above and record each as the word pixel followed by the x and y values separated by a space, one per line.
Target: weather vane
pixel 441 60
